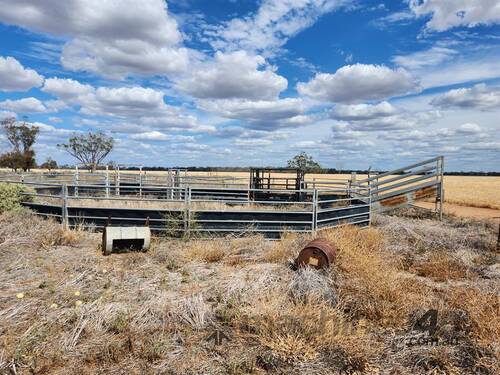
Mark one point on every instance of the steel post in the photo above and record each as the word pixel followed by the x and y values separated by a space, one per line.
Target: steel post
pixel 140 182
pixel 76 179
pixel 186 210
pixel 107 181
pixel 117 181
pixel 64 208
pixel 441 187
pixel 315 212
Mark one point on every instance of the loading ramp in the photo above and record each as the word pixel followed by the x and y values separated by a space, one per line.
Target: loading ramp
pixel 404 186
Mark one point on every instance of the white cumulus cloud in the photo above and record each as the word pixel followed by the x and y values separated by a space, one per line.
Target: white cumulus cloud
pixel 362 111
pixel 125 101
pixel 261 114
pixel 66 88
pixel 380 117
pixel 15 77
pixel 359 82
pixel 110 38
pixel 234 75
pixel 159 136
pixel 25 105
pixel 469 128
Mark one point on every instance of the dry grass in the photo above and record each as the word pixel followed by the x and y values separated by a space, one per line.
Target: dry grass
pixel 441 267
pixel 295 332
pixel 287 249
pixel 34 231
pixel 370 286
pixel 153 312
pixel 208 251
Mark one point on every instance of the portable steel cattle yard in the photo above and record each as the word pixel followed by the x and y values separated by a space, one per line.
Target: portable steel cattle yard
pixel 182 203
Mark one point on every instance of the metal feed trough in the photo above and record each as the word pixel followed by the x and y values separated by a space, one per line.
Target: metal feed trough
pixel 120 238
pixel 178 203
pixel 125 238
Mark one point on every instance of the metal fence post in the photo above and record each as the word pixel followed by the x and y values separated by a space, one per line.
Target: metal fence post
pixel 64 208
pixel 176 184
pixel 315 212
pixel 140 182
pixel 76 179
pixel 440 194
pixel 441 187
pixel 369 206
pixel 107 181
pixel 249 195
pixel 189 212
pixel 117 181
pixel 187 197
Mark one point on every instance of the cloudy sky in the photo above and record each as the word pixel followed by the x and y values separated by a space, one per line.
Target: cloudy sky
pixel 237 83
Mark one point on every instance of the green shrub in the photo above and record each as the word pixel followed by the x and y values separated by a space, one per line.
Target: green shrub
pixel 11 196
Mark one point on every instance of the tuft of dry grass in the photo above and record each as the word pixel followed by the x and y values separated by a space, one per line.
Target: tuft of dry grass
pixel 25 227
pixel 194 311
pixel 483 309
pixel 286 249
pixel 311 286
pixel 63 237
pixel 441 267
pixel 296 332
pixel 212 251
pixel 369 285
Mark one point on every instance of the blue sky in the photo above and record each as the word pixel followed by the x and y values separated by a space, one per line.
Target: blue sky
pixel 239 83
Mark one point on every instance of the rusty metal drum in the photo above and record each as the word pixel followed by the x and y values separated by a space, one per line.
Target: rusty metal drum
pixel 318 253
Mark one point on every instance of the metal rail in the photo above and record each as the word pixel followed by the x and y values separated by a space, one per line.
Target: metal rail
pixel 176 206
pixel 403 186
pixel 182 211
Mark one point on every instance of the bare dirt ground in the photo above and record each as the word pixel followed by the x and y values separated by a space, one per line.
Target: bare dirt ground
pixel 464 211
pixel 234 306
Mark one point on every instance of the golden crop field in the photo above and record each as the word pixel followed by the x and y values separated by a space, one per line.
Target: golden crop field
pixel 475 191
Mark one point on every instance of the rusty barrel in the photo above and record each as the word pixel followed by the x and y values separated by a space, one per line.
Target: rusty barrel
pixel 318 253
